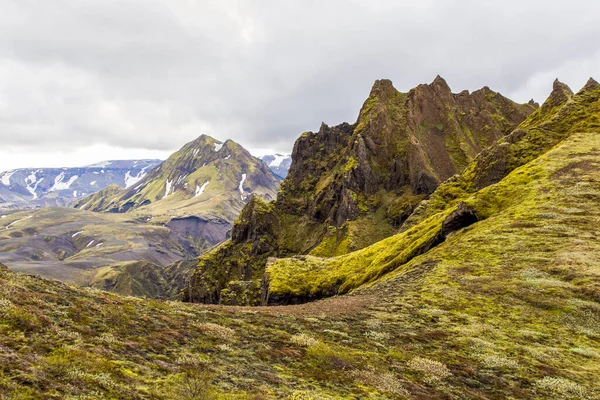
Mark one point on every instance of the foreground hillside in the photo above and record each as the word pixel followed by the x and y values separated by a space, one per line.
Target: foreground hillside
pixel 506 307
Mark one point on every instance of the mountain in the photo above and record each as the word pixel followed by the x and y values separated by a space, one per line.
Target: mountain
pixel 278 163
pixel 490 290
pixel 142 243
pixel 205 176
pixel 352 185
pixel 541 176
pixel 38 187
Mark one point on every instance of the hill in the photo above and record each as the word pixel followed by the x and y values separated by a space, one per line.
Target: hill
pixel 352 185
pixel 204 176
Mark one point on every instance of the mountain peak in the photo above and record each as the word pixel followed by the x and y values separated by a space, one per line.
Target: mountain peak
pixel 382 89
pixel 559 86
pixel 561 93
pixel 440 83
pixel 591 84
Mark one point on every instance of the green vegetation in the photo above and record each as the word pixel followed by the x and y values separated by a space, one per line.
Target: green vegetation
pixel 489 292
pixel 508 307
pixel 354 185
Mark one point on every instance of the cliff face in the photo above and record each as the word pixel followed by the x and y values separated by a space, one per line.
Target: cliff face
pixel 403 145
pixel 352 185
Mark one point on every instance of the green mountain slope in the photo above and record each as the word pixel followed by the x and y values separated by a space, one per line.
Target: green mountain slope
pixel 204 177
pixel 350 186
pixel 458 203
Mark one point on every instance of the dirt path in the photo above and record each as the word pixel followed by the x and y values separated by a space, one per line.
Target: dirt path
pixel 332 306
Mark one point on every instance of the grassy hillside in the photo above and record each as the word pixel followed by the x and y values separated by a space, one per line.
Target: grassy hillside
pixel 508 307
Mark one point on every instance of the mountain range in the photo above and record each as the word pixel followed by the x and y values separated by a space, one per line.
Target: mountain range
pixel 39 187
pixel 443 246
pixel 136 239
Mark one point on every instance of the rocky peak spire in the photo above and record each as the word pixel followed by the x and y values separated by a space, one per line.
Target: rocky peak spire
pixel 440 83
pixel 591 84
pixel 561 93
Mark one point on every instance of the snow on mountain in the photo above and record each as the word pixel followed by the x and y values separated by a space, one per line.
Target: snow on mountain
pixel 278 163
pixel 24 188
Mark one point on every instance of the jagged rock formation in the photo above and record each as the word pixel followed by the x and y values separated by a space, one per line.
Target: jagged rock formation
pixel 352 185
pixel 39 187
pixel 517 180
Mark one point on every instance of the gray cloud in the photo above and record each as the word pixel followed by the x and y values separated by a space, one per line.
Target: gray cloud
pixel 151 74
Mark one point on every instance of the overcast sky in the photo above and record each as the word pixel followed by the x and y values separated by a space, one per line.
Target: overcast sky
pixel 87 80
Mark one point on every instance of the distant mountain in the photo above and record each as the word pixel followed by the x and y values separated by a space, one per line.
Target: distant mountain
pixel 205 176
pixel 279 163
pixel 34 187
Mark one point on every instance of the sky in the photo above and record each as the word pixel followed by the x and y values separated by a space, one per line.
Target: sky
pixel 88 80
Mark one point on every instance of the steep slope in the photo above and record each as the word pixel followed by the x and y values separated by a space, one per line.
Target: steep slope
pixel 524 192
pixel 204 177
pixel 30 188
pixel 278 163
pixel 350 186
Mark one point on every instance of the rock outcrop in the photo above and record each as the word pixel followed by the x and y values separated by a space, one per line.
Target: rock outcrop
pixel 351 185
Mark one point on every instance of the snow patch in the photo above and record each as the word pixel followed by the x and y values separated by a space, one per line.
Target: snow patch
pixel 228 157
pixel 99 244
pixel 241 187
pixel 76 234
pixel 60 185
pixel 74 193
pixel 200 189
pixel 196 152
pixel 169 184
pixel 218 146
pixel 93 183
pixel 278 160
pixel 32 180
pixel 6 177
pixel 4 216
pixel 17 221
pixel 90 243
pixel 131 180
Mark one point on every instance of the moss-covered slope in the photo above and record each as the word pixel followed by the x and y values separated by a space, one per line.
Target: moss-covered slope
pixel 458 203
pixel 350 186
